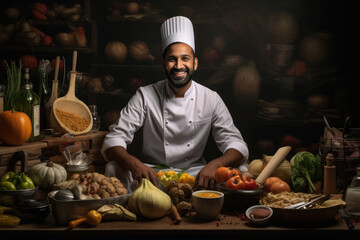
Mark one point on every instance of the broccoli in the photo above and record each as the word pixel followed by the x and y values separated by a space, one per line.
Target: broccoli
pixel 305 170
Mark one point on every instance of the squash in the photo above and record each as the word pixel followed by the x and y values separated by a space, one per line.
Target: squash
pixel 15 127
pixel 45 175
pixel 314 49
pixel 255 167
pixel 246 86
pixel 282 28
pixel 115 52
pixel 139 51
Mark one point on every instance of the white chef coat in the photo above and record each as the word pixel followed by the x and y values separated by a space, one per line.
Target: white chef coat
pixel 175 130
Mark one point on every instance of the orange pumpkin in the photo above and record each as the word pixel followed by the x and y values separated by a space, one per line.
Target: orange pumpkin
pixel 222 174
pixel 15 127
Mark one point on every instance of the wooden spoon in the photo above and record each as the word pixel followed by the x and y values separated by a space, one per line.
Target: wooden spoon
pixel 70 103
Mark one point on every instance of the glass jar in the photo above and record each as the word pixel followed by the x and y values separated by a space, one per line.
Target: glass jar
pixel 96 118
pixel 44 91
pixel 28 101
pixel 352 196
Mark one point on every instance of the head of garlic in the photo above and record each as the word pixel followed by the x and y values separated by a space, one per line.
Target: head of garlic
pixel 149 201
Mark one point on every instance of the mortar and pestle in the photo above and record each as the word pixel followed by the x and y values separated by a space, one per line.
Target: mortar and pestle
pixel 71 104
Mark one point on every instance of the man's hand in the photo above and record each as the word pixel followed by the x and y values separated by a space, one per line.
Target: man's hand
pixel 142 171
pixel 206 177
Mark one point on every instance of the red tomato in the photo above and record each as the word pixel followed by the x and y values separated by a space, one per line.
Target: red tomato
pixel 235 183
pixel 250 183
pixel 222 174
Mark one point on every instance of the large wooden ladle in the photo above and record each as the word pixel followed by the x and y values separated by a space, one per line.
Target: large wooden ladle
pixel 70 103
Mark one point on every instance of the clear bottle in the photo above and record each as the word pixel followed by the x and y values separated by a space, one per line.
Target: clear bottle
pixel 28 101
pixel 96 118
pixel 352 196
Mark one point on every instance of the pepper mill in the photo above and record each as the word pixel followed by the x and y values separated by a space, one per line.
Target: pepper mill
pixel 329 175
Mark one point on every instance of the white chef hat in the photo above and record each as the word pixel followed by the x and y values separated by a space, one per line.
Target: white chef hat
pixel 177 29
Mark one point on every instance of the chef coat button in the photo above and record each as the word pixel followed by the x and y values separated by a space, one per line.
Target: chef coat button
pixel 188 144
pixel 190 122
pixel 167 144
pixel 192 99
pixel 166 122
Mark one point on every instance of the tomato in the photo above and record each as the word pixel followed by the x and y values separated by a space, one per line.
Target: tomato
pixel 235 183
pixel 222 174
pixel 250 183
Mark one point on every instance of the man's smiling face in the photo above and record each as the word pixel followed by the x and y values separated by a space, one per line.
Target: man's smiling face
pixel 179 64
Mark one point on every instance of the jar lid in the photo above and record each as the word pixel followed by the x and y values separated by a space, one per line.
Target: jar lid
pixel 76 168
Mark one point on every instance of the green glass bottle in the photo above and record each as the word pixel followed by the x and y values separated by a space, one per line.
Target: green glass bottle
pixel 28 101
pixel 44 92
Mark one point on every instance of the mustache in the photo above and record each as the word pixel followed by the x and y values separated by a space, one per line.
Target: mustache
pixel 174 70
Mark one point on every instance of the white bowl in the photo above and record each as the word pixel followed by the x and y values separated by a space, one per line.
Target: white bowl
pixel 207 208
pixel 258 221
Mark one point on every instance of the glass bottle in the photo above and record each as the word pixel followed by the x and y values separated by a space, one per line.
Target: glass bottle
pixel 2 93
pixel 96 118
pixel 352 196
pixel 44 91
pixel 28 101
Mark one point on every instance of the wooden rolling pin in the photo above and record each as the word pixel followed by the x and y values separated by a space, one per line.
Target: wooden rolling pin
pixel 274 162
pixel 329 175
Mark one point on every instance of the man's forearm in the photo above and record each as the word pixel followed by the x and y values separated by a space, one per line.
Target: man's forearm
pixel 231 158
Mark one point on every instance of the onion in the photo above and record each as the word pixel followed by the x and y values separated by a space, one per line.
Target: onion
pixel 116 52
pixel 64 39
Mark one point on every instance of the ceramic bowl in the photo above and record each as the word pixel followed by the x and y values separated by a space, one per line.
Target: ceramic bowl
pixel 207 208
pixel 258 221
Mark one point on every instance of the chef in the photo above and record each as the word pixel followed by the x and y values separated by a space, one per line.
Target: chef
pixel 176 116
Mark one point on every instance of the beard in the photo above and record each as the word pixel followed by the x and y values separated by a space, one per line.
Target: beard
pixel 179 82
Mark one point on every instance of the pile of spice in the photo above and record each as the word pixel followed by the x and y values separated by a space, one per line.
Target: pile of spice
pixel 72 121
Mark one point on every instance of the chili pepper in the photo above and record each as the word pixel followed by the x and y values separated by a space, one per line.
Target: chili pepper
pixel 6 185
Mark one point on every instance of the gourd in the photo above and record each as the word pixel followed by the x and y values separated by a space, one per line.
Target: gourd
pixel 15 127
pixel 282 28
pixel 115 52
pixel 255 167
pixel 139 51
pixel 149 201
pixel 45 175
pixel 246 86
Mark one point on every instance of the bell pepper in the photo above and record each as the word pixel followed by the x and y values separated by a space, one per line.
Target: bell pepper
pixel 187 178
pixel 21 181
pixel 6 185
pixel 7 176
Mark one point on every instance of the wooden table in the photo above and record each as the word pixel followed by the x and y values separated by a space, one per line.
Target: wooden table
pixel 190 228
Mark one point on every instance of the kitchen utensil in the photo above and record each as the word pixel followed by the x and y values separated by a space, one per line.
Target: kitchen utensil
pixel 10 197
pixel 346 216
pixel 329 127
pixel 315 202
pixel 66 210
pixel 54 94
pixel 258 221
pixel 296 205
pixel 207 208
pixel 70 103
pixel 275 161
pixel 30 210
pixel 64 195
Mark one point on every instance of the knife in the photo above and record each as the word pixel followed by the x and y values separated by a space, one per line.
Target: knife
pixel 315 202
